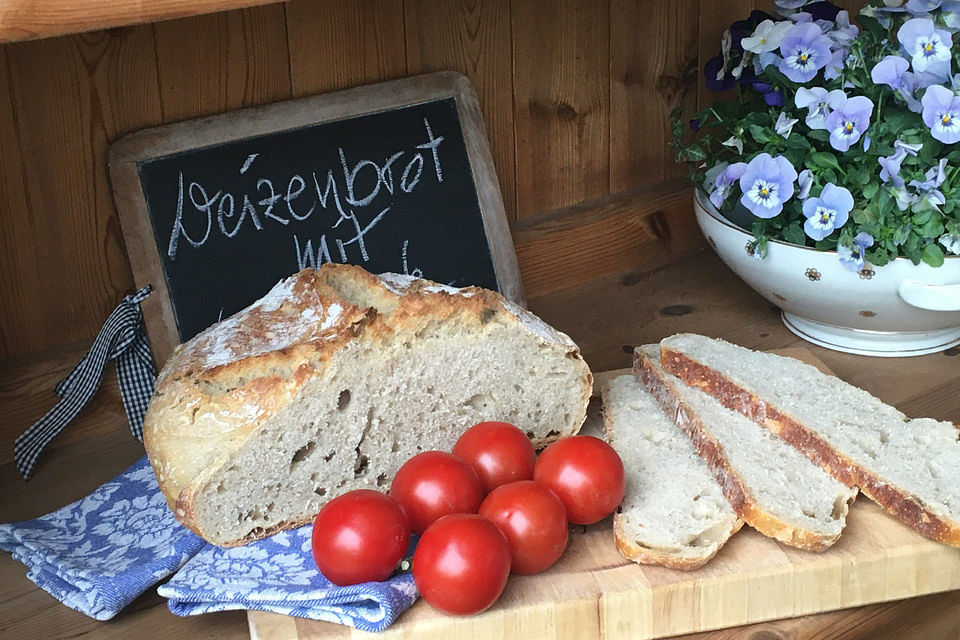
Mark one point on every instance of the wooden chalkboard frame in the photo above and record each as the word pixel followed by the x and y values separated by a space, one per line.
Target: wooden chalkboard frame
pixel 131 203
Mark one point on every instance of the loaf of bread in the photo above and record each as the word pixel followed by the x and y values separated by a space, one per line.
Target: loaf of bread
pixel 771 485
pixel 334 379
pixel 673 513
pixel 911 468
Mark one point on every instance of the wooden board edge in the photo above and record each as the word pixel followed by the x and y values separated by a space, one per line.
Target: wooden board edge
pixel 124 155
pixel 34 20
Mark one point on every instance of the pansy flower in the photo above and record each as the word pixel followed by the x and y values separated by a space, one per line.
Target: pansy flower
pixel 766 37
pixel 941 112
pixel 951 242
pixel 852 256
pixel 847 122
pixel 766 184
pixel 818 102
pixel 784 125
pixel 889 71
pixel 724 180
pixel 804 182
pixel 827 212
pixel 805 51
pixel 926 44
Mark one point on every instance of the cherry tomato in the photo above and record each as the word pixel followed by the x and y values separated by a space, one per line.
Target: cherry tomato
pixel 586 474
pixel 433 484
pixel 534 521
pixel 498 451
pixel 461 564
pixel 360 537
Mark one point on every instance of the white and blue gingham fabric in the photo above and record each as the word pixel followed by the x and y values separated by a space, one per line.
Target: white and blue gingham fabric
pixel 99 553
pixel 278 574
pixel 123 339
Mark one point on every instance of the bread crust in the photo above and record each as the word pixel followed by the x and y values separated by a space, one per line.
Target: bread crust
pixel 897 502
pixel 709 449
pixel 219 387
pixel 630 549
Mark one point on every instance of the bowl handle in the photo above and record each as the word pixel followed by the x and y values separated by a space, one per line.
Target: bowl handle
pixel 935 297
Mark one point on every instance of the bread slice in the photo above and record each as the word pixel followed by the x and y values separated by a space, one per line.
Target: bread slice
pixel 334 379
pixel 674 513
pixel 911 468
pixel 771 485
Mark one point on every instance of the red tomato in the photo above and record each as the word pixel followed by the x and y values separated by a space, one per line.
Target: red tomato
pixel 360 537
pixel 534 521
pixel 461 564
pixel 586 474
pixel 433 484
pixel 498 451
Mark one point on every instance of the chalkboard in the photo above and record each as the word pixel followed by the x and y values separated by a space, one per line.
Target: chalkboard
pixel 392 177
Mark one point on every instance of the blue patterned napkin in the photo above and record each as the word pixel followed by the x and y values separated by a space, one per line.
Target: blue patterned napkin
pixel 99 553
pixel 278 574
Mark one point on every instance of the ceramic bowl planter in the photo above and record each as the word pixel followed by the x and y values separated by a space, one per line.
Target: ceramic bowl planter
pixel 900 309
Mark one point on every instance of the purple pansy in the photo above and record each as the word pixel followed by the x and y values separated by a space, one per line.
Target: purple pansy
pixel 847 122
pixel 941 112
pixel 766 184
pixel 805 51
pixel 928 46
pixel 824 11
pixel 818 102
pixel 929 189
pixel 788 6
pixel 724 182
pixel 889 71
pixel 804 182
pixel 852 257
pixel 715 76
pixel 784 125
pixel 951 242
pixel 890 168
pixel 827 212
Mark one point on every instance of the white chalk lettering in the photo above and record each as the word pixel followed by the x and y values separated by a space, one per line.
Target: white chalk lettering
pixel 406 185
pixel 432 145
pixel 179 229
pixel 270 200
pixel 350 175
pixel 293 195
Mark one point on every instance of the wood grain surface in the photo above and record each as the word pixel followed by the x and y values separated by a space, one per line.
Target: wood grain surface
pixel 574 94
pixel 607 318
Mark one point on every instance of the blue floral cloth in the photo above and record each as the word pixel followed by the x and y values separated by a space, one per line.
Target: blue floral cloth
pixel 278 574
pixel 99 553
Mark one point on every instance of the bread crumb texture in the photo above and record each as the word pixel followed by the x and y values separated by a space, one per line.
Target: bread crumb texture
pixel 332 380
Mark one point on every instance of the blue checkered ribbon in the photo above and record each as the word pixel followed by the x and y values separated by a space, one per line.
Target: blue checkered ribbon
pixel 123 339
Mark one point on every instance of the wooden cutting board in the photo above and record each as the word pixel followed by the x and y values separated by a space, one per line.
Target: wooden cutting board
pixel 593 592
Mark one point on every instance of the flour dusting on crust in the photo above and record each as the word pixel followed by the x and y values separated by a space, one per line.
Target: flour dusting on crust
pixel 290 313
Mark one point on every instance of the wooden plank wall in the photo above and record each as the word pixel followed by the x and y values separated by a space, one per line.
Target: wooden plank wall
pixel 575 94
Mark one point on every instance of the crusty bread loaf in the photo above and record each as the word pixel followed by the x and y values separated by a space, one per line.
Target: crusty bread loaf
pixel 771 485
pixel 673 513
pixel 911 468
pixel 334 379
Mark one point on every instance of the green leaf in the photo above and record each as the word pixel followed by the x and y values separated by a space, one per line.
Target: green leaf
pixel 870 190
pixel 933 229
pixel 794 233
pixel 932 254
pixel 825 159
pixel 818 134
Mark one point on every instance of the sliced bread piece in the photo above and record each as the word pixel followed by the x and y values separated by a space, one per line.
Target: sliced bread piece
pixel 674 513
pixel 911 468
pixel 334 379
pixel 770 484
